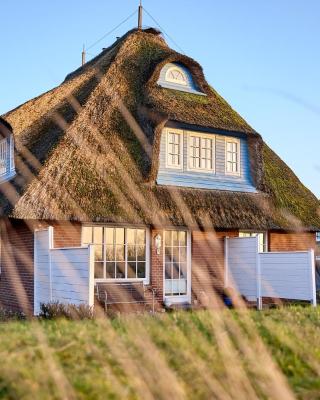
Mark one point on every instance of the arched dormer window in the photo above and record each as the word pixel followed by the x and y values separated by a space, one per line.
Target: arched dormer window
pixel 177 76
pixel 7 167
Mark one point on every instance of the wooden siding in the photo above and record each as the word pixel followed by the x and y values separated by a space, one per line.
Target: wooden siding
pixel 190 87
pixel 207 180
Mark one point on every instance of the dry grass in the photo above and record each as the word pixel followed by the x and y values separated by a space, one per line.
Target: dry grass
pixel 194 355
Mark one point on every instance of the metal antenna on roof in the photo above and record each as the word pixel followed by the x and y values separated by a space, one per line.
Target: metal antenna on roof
pixel 83 56
pixel 140 15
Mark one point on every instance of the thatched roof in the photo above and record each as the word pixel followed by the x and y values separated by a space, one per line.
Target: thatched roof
pixel 89 150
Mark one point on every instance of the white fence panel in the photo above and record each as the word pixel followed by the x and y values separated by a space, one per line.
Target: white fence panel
pixel 42 287
pixel 242 265
pixel 64 275
pixel 287 275
pixel 71 275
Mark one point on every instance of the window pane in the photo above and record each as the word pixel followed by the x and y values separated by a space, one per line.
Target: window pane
pixel 175 238
pixel 183 270
pixel 110 256
pixel 131 236
pixel 120 235
pixel 175 270
pixel 175 254
pixel 120 270
pixel 141 253
pixel 168 271
pixel 141 236
pixel 98 252
pixel 86 234
pixel 141 270
pixel 168 235
pixel 109 235
pixel 120 253
pixel 131 253
pixel 97 234
pixel 131 270
pixel 110 270
pixel 183 254
pixel 183 238
pixel 182 286
pixel 98 270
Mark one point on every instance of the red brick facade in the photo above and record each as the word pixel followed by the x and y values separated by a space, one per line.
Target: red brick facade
pixel 293 241
pixel 16 280
pixel 207 273
pixel 17 276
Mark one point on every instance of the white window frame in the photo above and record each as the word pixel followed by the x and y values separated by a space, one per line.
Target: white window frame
pixel 178 298
pixel 145 280
pixel 9 169
pixel 189 155
pixel 233 140
pixel 246 233
pixel 177 81
pixel 178 132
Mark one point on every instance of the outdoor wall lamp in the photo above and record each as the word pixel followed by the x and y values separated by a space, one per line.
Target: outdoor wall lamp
pixel 157 243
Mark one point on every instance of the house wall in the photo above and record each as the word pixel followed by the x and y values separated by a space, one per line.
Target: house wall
pixel 293 241
pixel 206 180
pixel 208 263
pixel 16 279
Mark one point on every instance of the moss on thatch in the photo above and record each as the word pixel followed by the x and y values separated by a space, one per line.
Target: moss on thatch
pixel 89 150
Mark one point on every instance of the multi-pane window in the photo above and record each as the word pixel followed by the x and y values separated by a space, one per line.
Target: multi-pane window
pixel 200 152
pixel 3 156
pixel 174 151
pixel 175 248
pixel 7 168
pixel 262 239
pixel 232 156
pixel 119 253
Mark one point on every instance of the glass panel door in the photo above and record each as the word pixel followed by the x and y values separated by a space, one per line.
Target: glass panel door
pixel 176 264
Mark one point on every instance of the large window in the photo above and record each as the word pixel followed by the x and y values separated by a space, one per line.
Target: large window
pixel 119 253
pixel 232 156
pixel 262 239
pixel 174 148
pixel 175 263
pixel 201 152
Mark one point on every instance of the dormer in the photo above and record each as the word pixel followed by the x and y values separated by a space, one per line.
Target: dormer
pixel 7 168
pixel 178 77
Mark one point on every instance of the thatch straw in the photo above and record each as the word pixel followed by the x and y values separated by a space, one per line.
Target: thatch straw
pixel 89 149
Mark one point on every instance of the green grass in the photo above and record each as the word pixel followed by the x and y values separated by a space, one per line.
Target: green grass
pixel 196 355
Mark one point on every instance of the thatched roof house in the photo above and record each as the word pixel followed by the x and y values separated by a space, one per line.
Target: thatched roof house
pixel 89 151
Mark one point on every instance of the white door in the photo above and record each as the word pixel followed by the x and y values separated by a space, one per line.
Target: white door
pixel 177 266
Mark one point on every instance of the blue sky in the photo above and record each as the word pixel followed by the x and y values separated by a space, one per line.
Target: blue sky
pixel 262 56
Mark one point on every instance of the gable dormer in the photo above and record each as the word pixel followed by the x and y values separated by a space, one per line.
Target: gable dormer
pixel 7 168
pixel 177 76
pixel 201 158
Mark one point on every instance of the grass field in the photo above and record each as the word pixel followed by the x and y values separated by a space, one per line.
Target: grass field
pixel 197 355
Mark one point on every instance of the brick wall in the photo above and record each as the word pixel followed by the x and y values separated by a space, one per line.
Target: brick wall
pixel 16 279
pixel 293 241
pixel 156 273
pixel 208 263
